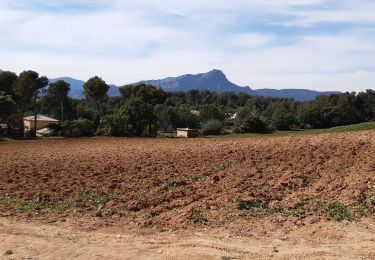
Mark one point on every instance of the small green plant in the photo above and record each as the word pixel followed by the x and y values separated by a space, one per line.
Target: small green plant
pixel 338 211
pixel 197 217
pixel 370 197
pixel 62 207
pixel 224 166
pixel 141 194
pixel 342 170
pixel 301 209
pixel 172 183
pixel 8 252
pixel 228 258
pixel 31 205
pixel 198 178
pixel 4 200
pixel 254 206
pixel 275 208
pixel 96 199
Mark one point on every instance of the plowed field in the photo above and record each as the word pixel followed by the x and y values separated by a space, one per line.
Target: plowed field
pixel 245 186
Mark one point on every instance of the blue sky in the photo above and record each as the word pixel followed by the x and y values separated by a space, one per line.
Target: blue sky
pixel 316 44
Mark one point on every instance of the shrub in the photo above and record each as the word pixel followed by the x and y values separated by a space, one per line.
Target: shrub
pixel 251 124
pixel 212 127
pixel 78 128
pixel 254 206
pixel 197 217
pixel 338 211
pixel 31 206
pixel 55 128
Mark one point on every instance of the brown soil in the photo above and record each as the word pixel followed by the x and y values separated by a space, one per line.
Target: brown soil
pixel 244 186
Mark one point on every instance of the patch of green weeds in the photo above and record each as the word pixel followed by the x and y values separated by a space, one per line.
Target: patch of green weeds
pixel 173 183
pixel 197 217
pixel 62 207
pixel 8 252
pixel 254 206
pixel 224 166
pixel 275 208
pixel 198 178
pixel 300 210
pixel 305 180
pixel 342 170
pixel 338 211
pixel 31 206
pixel 142 194
pixel 228 258
pixel 5 200
pixel 96 199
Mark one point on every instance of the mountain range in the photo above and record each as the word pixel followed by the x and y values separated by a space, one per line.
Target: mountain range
pixel 214 81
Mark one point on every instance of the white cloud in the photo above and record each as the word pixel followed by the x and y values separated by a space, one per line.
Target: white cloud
pixel 127 41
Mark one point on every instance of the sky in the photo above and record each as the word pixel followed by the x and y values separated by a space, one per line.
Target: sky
pixel 314 44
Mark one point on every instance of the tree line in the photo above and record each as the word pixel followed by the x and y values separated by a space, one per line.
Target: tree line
pixel 145 110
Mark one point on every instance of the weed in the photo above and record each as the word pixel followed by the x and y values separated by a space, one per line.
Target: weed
pixel 366 206
pixel 173 183
pixel 275 208
pixel 8 252
pixel 288 167
pixel 198 178
pixel 263 185
pixel 228 258
pixel 224 166
pixel 254 206
pixel 370 197
pixel 342 170
pixel 98 200
pixel 141 194
pixel 338 211
pixel 197 217
pixel 61 207
pixel 31 205
pixel 305 180
pixel 300 210
pixel 5 200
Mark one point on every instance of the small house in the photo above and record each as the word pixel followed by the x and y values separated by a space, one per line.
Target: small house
pixel 186 132
pixel 41 122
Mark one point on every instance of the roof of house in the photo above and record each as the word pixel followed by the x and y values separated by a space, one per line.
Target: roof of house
pixel 41 118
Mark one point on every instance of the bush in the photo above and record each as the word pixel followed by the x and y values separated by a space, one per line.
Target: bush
pixel 78 128
pixel 251 124
pixel 212 127
pixel 338 211
pixel 55 128
pixel 112 125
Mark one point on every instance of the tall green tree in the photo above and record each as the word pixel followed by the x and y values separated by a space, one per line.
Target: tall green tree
pixel 58 94
pixel 211 112
pixel 25 92
pixel 148 93
pixel 140 118
pixel 7 80
pixel 96 92
pixel 7 106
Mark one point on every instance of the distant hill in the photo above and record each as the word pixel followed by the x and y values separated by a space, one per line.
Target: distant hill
pixel 216 80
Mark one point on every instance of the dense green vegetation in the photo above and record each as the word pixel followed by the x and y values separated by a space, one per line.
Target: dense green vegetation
pixel 144 110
